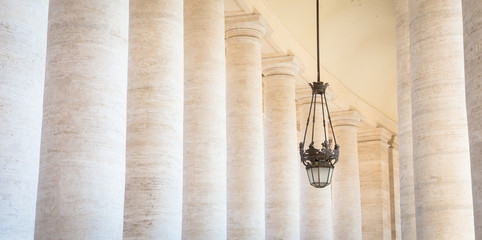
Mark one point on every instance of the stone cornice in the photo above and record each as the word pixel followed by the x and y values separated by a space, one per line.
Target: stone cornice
pixel 374 134
pixel 246 25
pixel 345 118
pixel 282 65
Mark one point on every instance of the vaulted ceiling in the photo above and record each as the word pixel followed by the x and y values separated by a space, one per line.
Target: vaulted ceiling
pixel 357 41
pixel 358 50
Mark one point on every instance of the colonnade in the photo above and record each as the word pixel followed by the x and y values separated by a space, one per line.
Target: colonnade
pixel 282 206
pixel 22 49
pixel 245 162
pixel 407 197
pixel 347 209
pixel 204 172
pixel 82 157
pixel 154 122
pixel 163 120
pixel 437 96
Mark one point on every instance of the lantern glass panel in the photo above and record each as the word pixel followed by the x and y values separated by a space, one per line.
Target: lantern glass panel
pixel 310 175
pixel 320 176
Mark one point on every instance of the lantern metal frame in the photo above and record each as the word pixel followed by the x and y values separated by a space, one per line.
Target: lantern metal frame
pixel 321 160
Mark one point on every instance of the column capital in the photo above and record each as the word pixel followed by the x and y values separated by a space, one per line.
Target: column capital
pixel 281 65
pixel 345 118
pixel 374 134
pixel 247 25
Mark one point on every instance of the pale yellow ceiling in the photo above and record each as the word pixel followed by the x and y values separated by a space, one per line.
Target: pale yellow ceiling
pixel 357 40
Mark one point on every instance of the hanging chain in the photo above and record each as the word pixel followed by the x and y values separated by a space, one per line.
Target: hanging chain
pixel 307 121
pixel 318 38
pixel 331 125
pixel 323 110
pixel 314 116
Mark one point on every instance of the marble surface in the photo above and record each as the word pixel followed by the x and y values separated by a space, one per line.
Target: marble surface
pixel 154 177
pixel 82 161
pixel 23 39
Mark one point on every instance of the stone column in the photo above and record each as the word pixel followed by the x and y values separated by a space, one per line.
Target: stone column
pixel 375 183
pixel 316 218
pixel 473 88
pixel 82 161
pixel 204 190
pixel 23 37
pixel 347 221
pixel 443 193
pixel 281 153
pixel 407 195
pixel 245 166
pixel 393 164
pixel 153 198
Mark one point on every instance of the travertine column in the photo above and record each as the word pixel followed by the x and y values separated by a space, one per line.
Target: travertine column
pixel 23 36
pixel 245 165
pixel 347 222
pixel 82 162
pixel 316 218
pixel 407 194
pixel 153 198
pixel 204 190
pixel 375 183
pixel 393 163
pixel 443 193
pixel 472 10
pixel 281 153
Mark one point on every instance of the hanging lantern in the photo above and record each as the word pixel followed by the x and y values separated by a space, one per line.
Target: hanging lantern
pixel 319 162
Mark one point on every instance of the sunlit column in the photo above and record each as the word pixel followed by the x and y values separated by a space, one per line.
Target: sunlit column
pixel 280 148
pixel 23 41
pixel 407 194
pixel 82 162
pixel 347 219
pixel 245 164
pixel 153 198
pixel 443 192
pixel 373 157
pixel 204 189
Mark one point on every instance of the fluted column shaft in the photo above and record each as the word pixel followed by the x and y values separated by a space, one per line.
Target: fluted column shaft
pixel 204 190
pixel 473 88
pixel 280 149
pixel 23 36
pixel 375 183
pixel 439 123
pixel 245 165
pixel 347 221
pixel 316 218
pixel 407 190
pixel 82 162
pixel 153 198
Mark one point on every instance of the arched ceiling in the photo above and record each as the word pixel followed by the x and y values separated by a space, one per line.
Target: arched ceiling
pixel 357 41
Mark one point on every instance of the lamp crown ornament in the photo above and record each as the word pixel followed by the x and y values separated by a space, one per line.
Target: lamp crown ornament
pixel 319 87
pixel 319 162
